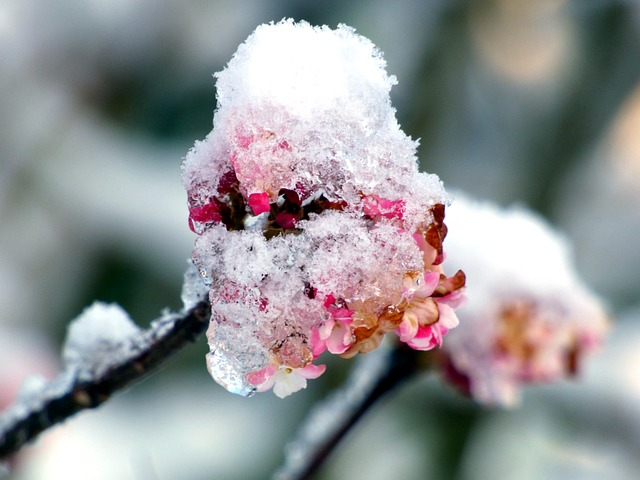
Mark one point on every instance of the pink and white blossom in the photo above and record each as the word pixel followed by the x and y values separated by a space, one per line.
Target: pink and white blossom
pixel 285 380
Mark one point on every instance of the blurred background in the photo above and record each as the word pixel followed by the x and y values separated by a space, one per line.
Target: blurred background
pixel 514 101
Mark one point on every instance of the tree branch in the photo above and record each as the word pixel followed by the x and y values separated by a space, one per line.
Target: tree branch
pixel 21 424
pixel 332 420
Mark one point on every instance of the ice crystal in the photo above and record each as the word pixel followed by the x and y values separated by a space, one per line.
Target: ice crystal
pixel 528 317
pixel 316 229
pixel 193 289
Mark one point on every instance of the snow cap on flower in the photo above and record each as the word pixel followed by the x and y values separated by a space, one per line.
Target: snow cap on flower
pixel 528 317
pixel 307 109
pixel 311 212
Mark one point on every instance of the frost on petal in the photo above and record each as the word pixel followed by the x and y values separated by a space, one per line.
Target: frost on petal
pixel 309 208
pixel 528 318
pixel 100 337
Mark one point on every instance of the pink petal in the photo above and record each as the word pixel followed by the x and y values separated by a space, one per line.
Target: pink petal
pixel 327 327
pixel 261 376
pixel 267 385
pixel 376 207
pixel 408 328
pixel 318 345
pixel 391 208
pixel 448 318
pixel 209 212
pixel 430 281
pixel 427 338
pixel 259 203
pixel 370 207
pixel 344 315
pixel 329 300
pixel 429 254
pixel 311 371
pixel 287 220
pixel 455 299
pixel 340 339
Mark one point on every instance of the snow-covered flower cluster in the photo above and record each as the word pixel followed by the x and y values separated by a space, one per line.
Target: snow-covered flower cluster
pixel 528 318
pixel 316 231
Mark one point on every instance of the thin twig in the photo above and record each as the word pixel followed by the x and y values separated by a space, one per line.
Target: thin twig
pixel 322 432
pixel 163 343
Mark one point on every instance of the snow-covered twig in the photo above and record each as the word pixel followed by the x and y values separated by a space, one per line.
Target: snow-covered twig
pixel 72 392
pixel 330 421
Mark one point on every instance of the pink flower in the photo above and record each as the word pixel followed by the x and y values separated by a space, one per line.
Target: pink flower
pixel 284 380
pixel 426 318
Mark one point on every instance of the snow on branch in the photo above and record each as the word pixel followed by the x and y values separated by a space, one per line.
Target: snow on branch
pixel 104 353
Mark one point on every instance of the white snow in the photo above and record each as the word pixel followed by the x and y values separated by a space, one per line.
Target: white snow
pixel 103 335
pixel 309 106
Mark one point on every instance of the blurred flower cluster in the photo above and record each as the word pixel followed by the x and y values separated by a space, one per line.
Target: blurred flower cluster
pixel 529 318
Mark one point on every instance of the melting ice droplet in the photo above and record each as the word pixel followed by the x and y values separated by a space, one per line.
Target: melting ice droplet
pixel 311 212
